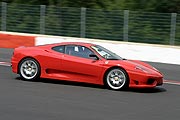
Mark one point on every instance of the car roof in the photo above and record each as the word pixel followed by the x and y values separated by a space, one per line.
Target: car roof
pixel 77 43
pixel 70 43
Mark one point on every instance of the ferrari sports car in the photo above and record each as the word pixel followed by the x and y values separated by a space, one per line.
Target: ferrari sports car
pixel 83 62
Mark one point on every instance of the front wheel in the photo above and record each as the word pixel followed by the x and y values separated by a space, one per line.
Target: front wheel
pixel 29 69
pixel 117 79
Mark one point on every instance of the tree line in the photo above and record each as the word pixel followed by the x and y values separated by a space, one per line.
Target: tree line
pixel 164 6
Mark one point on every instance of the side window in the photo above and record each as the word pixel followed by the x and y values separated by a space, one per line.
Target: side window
pixel 59 48
pixel 70 50
pixel 85 52
pixel 79 51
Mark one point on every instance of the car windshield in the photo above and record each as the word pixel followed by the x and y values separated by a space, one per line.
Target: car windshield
pixel 105 53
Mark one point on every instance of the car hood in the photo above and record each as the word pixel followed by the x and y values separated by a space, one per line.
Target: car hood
pixel 135 65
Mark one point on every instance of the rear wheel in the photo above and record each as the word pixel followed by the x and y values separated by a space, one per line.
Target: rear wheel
pixel 29 69
pixel 117 79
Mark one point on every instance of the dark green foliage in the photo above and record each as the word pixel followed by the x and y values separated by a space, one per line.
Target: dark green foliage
pixel 63 21
pixel 25 19
pixel 177 40
pixel 149 27
pixel 146 5
pixel 104 24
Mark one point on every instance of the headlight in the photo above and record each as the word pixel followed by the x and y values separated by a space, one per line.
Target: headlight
pixel 155 69
pixel 141 68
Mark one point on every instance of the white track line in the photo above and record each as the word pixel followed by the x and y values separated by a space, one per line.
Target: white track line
pixel 5 64
pixel 173 82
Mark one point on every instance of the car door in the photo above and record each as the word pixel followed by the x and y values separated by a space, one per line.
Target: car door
pixel 51 61
pixel 78 66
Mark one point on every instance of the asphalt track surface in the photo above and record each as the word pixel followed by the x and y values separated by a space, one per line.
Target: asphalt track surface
pixel 59 100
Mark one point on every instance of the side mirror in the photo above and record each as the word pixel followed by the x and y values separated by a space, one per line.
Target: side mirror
pixel 94 56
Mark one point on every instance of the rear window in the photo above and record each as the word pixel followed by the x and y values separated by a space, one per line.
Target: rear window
pixel 59 48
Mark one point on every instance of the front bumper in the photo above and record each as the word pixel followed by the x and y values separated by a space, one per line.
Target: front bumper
pixel 144 80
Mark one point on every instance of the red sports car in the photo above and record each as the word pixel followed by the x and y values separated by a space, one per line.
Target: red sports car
pixel 83 62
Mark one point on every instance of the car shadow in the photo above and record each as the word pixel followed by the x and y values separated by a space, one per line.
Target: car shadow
pixel 147 90
pixel 64 82
pixel 71 83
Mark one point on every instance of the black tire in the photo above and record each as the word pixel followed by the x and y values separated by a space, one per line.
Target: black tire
pixel 29 69
pixel 117 79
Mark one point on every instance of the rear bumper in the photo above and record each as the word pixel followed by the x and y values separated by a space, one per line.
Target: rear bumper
pixel 14 65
